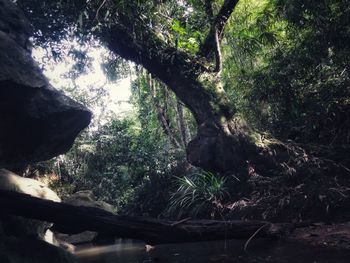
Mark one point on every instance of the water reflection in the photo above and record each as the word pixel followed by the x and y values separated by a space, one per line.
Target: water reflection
pixel 211 252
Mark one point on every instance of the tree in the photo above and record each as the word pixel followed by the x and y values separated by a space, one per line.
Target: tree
pixel 179 43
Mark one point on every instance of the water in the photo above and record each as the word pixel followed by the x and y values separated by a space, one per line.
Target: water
pixel 258 251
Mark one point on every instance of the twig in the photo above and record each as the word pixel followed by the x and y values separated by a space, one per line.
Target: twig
pixel 180 222
pixel 255 233
pixel 98 10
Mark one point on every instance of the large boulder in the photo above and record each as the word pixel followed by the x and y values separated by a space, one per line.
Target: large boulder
pixel 37 122
pixel 86 198
pixel 27 240
pixel 18 226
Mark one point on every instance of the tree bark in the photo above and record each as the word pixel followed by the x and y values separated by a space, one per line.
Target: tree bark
pixel 224 144
pixel 221 144
pixel 74 219
pixel 217 26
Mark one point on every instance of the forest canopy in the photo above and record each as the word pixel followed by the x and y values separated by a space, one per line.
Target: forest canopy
pixel 255 94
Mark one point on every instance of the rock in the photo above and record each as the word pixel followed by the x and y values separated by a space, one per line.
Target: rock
pixel 37 122
pixel 27 240
pixel 14 182
pixel 18 226
pixel 87 198
pixel 76 239
pixel 14 23
pixel 84 198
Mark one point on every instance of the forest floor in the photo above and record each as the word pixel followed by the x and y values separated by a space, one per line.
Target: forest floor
pixel 329 236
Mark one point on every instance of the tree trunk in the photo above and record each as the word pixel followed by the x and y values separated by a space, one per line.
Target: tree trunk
pixel 224 143
pixel 74 219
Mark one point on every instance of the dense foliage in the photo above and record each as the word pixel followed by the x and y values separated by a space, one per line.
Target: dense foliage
pixel 288 71
pixel 285 69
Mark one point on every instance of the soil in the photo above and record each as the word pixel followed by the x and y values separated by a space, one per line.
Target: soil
pixel 320 234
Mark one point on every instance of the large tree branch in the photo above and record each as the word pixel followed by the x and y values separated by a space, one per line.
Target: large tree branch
pixel 217 50
pixel 177 69
pixel 74 219
pixel 217 28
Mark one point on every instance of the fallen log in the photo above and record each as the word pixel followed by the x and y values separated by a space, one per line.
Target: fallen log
pixel 71 219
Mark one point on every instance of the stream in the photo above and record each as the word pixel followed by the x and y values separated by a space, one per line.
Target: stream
pixel 259 250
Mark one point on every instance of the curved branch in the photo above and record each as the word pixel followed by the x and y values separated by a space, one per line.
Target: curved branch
pixel 177 69
pixel 218 62
pixel 217 26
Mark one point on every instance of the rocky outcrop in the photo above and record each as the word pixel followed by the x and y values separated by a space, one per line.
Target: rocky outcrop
pixel 14 182
pixel 88 199
pixel 21 227
pixel 28 240
pixel 37 122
